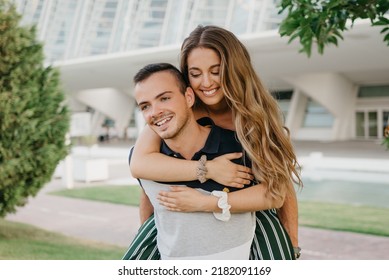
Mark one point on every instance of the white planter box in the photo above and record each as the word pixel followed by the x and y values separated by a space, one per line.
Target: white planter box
pixel 90 169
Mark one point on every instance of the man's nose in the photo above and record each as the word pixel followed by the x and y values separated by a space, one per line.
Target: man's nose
pixel 156 111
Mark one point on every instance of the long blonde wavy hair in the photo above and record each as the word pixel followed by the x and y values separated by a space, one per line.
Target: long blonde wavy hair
pixel 258 119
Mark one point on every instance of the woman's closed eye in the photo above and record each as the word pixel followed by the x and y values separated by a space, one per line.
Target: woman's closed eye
pixel 195 75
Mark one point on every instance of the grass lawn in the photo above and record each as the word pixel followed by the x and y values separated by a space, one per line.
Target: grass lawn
pixel 25 242
pixel 361 219
pixel 128 195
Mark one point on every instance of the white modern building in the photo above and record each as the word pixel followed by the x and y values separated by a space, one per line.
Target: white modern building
pixel 100 44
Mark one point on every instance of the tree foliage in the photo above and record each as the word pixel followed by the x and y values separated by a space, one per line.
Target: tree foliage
pixel 34 118
pixel 323 21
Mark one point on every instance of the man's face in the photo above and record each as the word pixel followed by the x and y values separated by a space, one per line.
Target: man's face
pixel 165 109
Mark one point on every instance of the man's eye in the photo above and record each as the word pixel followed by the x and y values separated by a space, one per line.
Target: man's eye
pixel 165 98
pixel 144 107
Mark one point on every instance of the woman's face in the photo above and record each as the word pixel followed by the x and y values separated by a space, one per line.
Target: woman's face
pixel 204 75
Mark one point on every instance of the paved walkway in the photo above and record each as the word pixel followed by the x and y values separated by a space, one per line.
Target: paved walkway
pixel 117 224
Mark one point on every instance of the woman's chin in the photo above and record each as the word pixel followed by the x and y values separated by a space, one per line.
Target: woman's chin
pixel 211 100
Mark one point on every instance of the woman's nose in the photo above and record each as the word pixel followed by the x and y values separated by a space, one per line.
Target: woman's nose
pixel 206 81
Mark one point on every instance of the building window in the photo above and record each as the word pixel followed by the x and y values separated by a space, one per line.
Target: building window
pixel 360 124
pixel 371 123
pixel 316 116
pixel 373 91
pixel 283 98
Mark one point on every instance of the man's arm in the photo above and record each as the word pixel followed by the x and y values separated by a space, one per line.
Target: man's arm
pixel 146 209
pixel 288 215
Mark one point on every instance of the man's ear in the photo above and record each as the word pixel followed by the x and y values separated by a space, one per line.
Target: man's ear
pixel 190 97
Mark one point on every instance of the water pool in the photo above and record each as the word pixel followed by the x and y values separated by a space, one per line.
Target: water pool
pixel 353 188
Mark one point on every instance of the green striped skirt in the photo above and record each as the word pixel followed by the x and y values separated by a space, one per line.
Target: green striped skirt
pixel 271 241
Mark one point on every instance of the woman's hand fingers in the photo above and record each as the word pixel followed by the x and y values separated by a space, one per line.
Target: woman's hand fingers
pixel 231 156
pixel 169 203
pixel 244 169
pixel 225 172
pixel 181 199
pixel 172 193
pixel 169 206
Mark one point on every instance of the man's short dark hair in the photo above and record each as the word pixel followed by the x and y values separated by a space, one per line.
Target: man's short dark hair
pixel 153 68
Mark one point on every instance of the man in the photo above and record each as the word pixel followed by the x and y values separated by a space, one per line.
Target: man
pixel 166 102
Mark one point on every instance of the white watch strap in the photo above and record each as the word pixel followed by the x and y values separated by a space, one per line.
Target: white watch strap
pixel 222 203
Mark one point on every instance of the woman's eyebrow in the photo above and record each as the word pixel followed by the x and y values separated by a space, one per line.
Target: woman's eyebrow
pixel 196 68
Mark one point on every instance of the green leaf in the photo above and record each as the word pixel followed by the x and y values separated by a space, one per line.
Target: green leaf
pixel 384 30
pixel 327 19
pixel 386 38
pixel 381 21
pixel 333 40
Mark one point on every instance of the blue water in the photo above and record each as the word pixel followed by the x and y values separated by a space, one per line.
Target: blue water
pixel 345 192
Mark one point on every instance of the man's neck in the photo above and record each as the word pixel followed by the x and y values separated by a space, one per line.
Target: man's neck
pixel 191 140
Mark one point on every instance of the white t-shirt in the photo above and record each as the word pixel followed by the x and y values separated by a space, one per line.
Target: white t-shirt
pixel 199 235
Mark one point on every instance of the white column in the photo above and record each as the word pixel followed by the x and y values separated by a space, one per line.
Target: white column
pixel 113 103
pixel 325 88
pixel 296 112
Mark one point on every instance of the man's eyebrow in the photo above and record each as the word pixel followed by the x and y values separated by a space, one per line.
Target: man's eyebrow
pixel 156 97
pixel 142 103
pixel 162 93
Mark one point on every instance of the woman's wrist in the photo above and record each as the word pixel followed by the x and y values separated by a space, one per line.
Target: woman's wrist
pixel 201 169
pixel 210 204
pixel 222 203
pixel 209 165
pixel 207 203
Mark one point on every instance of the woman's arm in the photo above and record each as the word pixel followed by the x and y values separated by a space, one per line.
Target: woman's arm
pixel 148 163
pixel 288 214
pixel 185 199
pixel 255 198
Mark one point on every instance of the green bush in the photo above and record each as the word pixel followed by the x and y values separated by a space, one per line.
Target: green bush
pixel 34 118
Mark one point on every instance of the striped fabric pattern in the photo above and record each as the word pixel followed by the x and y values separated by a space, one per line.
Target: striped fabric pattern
pixel 271 242
pixel 144 245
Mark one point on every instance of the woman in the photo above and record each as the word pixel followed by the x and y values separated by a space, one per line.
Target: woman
pixel 218 68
